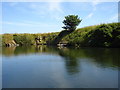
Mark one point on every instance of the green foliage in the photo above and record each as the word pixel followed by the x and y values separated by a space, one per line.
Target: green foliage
pixel 101 36
pixel 70 22
pixel 116 36
pixel 0 40
pixel 50 37
pixel 26 39
pixel 104 35
pixel 7 38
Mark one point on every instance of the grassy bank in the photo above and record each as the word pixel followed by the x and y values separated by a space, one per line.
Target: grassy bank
pixel 103 35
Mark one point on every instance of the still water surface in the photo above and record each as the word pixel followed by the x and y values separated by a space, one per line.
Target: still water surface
pixel 50 67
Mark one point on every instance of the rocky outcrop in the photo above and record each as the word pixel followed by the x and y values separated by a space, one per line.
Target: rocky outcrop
pixel 38 40
pixel 12 43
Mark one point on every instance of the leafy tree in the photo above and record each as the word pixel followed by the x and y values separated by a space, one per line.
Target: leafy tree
pixel 70 22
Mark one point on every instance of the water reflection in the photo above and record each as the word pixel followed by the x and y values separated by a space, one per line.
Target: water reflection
pixel 49 67
pixel 102 57
pixel 71 61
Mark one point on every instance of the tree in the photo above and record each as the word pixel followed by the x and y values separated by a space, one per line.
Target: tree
pixel 70 22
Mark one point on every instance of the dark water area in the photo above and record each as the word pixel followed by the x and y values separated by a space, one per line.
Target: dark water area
pixel 51 67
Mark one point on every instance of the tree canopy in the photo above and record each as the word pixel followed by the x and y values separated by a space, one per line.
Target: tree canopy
pixel 71 22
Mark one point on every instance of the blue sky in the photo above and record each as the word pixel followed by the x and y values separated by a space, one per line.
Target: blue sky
pixel 44 17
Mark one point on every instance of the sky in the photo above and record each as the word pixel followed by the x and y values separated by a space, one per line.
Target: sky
pixel 46 17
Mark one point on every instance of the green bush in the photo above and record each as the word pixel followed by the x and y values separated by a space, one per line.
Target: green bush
pixel 116 37
pixel 101 36
pixel 24 39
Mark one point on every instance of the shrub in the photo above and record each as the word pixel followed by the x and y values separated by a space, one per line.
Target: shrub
pixel 6 38
pixel 24 39
pixel 101 36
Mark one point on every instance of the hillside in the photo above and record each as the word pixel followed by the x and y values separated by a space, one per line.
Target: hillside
pixel 103 35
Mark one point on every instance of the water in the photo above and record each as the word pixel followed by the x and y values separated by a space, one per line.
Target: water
pixel 50 67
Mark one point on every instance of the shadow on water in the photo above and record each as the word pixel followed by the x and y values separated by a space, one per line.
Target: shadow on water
pixel 103 57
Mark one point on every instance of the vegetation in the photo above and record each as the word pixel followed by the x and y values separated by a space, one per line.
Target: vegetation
pixel 22 39
pixel 103 35
pixel 7 38
pixel 70 22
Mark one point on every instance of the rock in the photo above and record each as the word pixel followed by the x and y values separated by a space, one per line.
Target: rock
pixel 12 43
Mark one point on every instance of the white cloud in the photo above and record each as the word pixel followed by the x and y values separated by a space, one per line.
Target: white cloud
pixel 16 23
pixel 89 15
pixel 53 9
pixel 55 6
pixel 13 3
pixel 113 18
pixel 46 6
pixel 95 3
pixel 41 9
pixel 29 24
pixel 33 6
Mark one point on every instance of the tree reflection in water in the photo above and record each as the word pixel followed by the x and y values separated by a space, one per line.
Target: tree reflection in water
pixel 102 57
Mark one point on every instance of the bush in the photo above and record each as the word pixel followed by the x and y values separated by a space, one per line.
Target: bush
pixel 101 36
pixel 116 37
pixel 7 38
pixel 24 39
